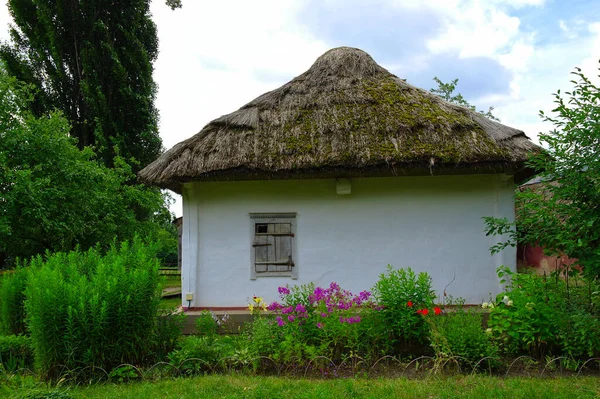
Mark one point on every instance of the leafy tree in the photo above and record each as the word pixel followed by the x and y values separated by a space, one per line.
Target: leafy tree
pixel 446 91
pixel 92 60
pixel 54 196
pixel 564 215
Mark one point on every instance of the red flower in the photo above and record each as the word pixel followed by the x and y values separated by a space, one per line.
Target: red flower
pixel 437 310
pixel 409 304
pixel 419 311
pixel 424 312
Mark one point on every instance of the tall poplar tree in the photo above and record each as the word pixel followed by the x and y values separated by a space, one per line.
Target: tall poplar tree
pixel 92 60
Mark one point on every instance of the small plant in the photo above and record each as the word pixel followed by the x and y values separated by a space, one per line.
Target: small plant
pixel 403 296
pixel 459 335
pixel 206 324
pixel 124 374
pixel 16 352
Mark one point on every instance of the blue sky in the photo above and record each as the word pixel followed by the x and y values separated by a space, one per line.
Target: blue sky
pixel 215 56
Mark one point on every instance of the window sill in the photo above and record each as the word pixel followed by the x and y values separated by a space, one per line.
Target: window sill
pixel 273 274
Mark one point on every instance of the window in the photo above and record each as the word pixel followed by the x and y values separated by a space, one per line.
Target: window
pixel 273 245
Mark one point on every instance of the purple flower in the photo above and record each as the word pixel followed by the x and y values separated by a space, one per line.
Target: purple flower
pixel 280 321
pixel 283 290
pixel 323 314
pixel 364 295
pixel 287 309
pixel 291 318
pixel 318 295
pixel 300 308
pixel 319 325
pixel 274 306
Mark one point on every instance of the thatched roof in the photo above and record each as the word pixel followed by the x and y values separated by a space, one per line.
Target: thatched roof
pixel 345 116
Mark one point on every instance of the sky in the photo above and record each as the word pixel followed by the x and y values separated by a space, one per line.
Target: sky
pixel 216 56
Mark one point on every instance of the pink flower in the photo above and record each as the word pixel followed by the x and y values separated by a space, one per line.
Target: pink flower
pixel 319 325
pixel 300 308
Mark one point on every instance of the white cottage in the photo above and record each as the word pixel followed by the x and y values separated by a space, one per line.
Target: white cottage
pixel 333 176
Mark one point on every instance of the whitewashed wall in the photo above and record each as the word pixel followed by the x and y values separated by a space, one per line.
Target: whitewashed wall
pixel 431 223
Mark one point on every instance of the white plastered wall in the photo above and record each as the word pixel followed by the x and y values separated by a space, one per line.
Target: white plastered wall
pixel 431 223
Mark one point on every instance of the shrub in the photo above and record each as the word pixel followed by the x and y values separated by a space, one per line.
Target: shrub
pixel 201 353
pixel 539 316
pixel 525 318
pixel 87 310
pixel 580 335
pixel 399 293
pixel 12 297
pixel 264 337
pixel 168 332
pixel 206 324
pixel 459 334
pixel 320 321
pixel 16 352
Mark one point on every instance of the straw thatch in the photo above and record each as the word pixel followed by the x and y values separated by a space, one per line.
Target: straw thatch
pixel 345 116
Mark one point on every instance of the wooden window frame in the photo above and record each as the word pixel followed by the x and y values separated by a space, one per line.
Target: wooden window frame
pixel 266 218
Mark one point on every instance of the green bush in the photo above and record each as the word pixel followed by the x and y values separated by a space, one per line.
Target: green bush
pixel 167 334
pixel 401 293
pixel 313 321
pixel 16 352
pixel 459 334
pixel 85 310
pixel 12 297
pixel 206 324
pixel 580 335
pixel 201 353
pixel 539 316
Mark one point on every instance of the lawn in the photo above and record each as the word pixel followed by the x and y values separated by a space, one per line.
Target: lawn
pixel 216 386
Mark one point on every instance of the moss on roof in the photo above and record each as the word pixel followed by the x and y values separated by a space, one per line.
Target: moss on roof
pixel 346 115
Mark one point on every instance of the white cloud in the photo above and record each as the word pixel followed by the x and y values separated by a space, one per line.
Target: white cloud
pixel 216 56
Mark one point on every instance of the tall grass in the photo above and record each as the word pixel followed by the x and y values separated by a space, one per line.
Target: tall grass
pixel 12 297
pixel 85 310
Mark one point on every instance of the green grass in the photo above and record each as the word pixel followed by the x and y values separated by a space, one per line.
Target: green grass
pixel 170 303
pixel 273 387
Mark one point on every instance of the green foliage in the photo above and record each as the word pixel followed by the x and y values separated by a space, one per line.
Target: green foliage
pixel 12 297
pixel 446 91
pixel 167 334
pixel 541 316
pixel 314 321
pixel 95 66
pixel 16 352
pixel 459 335
pixel 88 310
pixel 563 215
pixel 401 292
pixel 54 196
pixel 201 353
pixel 206 324
pixel 264 337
